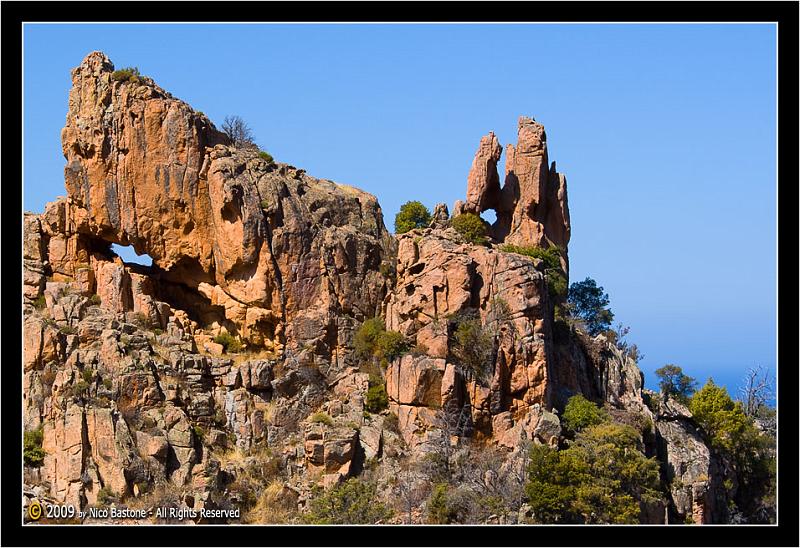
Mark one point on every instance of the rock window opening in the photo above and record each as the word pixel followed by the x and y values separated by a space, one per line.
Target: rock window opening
pixel 129 255
pixel 489 216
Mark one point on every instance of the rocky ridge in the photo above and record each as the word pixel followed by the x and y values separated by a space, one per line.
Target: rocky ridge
pixel 124 369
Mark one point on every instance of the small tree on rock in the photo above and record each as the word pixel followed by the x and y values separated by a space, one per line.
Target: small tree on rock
pixel 238 131
pixel 412 215
pixel 675 383
pixel 589 302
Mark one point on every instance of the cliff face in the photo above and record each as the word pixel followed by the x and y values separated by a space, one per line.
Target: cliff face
pixel 257 247
pixel 133 387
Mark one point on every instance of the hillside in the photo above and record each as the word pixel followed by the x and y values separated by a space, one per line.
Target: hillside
pixel 285 351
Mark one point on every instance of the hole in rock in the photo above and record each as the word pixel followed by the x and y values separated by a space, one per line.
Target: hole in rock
pixel 129 255
pixel 489 216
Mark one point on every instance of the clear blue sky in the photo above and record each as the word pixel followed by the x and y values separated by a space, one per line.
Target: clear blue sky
pixel 666 134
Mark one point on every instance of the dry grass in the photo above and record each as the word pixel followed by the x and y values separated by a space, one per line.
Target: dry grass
pixel 273 506
pixel 165 494
pixel 247 356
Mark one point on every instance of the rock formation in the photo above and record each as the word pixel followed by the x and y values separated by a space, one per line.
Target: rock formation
pixel 263 247
pixel 133 372
pixel 531 206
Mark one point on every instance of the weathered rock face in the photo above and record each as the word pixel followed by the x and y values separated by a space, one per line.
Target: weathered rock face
pixel 483 183
pixel 124 372
pixel 266 246
pixel 532 206
pixel 693 473
pixel 438 279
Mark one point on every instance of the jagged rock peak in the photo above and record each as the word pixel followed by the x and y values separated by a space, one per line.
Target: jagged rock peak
pixel 483 182
pixel 531 206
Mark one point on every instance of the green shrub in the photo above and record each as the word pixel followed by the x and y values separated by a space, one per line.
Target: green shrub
pixel 751 452
pixel 87 375
pixel 264 155
pixel 391 345
pixel 589 302
pixel 126 74
pixel 377 398
pixel 557 284
pixel 372 340
pixel 550 255
pixel 673 382
pixel 67 330
pixel 199 432
pixel 95 300
pixel 473 346
pixel 723 419
pixel 321 418
pixel 366 337
pixel 39 302
pixel 230 343
pixel 603 477
pixel 581 413
pixel 412 215
pixel 33 453
pixel 107 383
pixel 471 227
pixel 219 417
pixel 437 507
pixel 200 113
pixel 353 502
pixel 80 388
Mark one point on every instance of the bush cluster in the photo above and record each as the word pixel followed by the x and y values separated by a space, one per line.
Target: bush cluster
pixel 471 227
pixel 735 436
pixel 105 496
pixel 581 413
pixel 601 478
pixel 472 345
pixel 230 343
pixel 320 417
pixel 412 215
pixel 377 398
pixel 127 74
pixel 458 504
pixel 264 155
pixel 353 502
pixel 372 340
pixel 33 453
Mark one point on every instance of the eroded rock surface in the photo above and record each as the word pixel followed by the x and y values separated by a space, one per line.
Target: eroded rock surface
pixel 531 206
pixel 234 353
